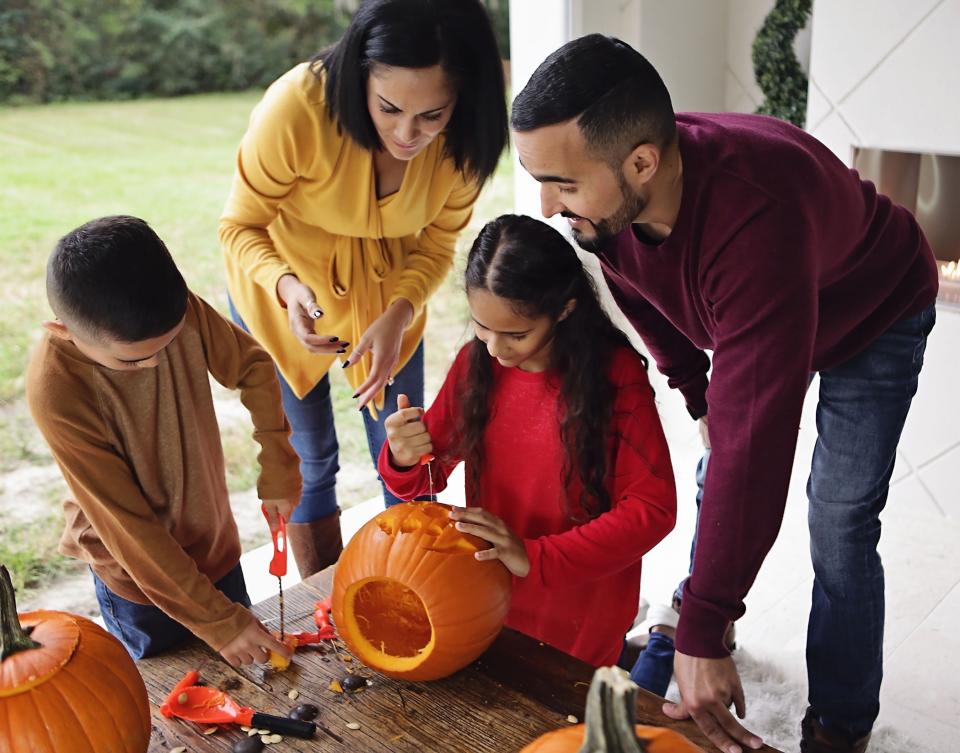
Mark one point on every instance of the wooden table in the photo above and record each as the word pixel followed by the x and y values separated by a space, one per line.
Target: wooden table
pixel 516 691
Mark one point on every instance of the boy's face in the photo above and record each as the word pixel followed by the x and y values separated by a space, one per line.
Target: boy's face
pixel 114 354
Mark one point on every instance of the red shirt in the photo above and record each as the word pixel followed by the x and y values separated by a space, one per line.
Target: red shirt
pixel 783 262
pixel 582 590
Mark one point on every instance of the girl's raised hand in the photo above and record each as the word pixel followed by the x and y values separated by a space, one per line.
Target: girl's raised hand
pixel 407 435
pixel 507 546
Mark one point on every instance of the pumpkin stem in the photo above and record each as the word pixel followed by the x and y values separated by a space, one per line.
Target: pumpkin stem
pixel 611 715
pixel 13 638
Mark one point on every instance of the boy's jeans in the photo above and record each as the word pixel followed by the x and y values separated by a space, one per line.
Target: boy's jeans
pixel 146 630
pixel 861 410
pixel 314 435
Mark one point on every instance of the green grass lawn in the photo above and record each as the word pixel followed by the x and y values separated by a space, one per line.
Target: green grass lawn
pixel 169 161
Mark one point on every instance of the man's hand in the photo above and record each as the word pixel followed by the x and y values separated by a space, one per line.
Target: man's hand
pixel 253 646
pixel 707 688
pixel 507 546
pixel 282 507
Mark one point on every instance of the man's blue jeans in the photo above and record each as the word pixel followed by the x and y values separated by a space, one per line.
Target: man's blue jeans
pixel 863 404
pixel 314 435
pixel 146 630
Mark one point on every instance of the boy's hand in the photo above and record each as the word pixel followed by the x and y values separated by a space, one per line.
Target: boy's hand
pixel 275 507
pixel 303 313
pixel 253 646
pixel 407 435
pixel 507 546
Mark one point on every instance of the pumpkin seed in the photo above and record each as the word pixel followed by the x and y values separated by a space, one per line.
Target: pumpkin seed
pixel 252 732
pixel 210 730
pixel 271 739
pixel 181 749
pixel 293 694
pixel 244 729
pixel 182 698
pixel 572 719
pixel 353 725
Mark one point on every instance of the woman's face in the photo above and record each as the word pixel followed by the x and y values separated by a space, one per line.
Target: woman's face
pixel 409 106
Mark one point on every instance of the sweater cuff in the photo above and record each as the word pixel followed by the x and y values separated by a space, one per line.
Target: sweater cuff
pixel 533 549
pixel 695 394
pixel 701 629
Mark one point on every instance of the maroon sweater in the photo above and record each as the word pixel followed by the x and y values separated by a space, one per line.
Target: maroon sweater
pixel 783 262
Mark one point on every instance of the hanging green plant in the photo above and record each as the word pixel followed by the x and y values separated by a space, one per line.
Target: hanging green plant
pixel 775 65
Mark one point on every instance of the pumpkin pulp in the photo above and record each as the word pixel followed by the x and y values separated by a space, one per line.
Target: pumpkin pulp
pixel 389 622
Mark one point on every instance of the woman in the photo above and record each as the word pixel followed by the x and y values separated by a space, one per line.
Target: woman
pixel 356 174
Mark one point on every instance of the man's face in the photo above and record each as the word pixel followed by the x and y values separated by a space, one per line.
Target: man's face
pixel 596 199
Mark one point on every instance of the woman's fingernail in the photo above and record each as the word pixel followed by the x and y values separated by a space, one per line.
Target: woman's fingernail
pixel 334 339
pixel 355 395
pixel 342 350
pixel 345 364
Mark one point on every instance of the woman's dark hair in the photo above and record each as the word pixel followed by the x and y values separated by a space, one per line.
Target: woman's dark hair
pixel 531 265
pixel 455 34
pixel 616 95
pixel 114 278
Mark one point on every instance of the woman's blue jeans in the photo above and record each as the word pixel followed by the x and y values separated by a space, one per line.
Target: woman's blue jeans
pixel 314 435
pixel 863 404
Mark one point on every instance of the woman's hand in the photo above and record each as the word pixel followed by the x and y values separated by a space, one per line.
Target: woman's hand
pixel 507 546
pixel 382 339
pixel 303 313
pixel 407 436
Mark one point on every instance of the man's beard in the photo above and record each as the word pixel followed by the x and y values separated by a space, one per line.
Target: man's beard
pixel 609 227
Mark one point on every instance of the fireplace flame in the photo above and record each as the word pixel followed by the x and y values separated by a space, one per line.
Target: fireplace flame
pixel 950 270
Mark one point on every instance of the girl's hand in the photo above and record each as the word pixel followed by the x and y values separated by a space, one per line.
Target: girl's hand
pixel 507 546
pixel 407 436
pixel 383 339
pixel 302 313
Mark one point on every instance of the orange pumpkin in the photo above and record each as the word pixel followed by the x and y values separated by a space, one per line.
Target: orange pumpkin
pixel 411 601
pixel 611 724
pixel 66 685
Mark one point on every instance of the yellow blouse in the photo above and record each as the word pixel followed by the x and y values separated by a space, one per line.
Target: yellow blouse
pixel 304 201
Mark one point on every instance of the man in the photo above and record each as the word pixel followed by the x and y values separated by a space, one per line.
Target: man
pixel 744 235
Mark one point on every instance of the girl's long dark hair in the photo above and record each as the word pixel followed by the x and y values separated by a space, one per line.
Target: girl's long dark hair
pixel 532 266
pixel 455 34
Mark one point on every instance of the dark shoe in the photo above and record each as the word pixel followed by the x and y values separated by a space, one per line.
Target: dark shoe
pixel 815 738
pixel 315 545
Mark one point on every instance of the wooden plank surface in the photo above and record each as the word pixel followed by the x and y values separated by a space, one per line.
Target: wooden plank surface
pixel 515 692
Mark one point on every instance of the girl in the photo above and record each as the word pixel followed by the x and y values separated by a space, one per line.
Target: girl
pixel 356 174
pixel 567 469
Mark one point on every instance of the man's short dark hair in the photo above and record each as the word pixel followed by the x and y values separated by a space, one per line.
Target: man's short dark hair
pixel 616 95
pixel 113 278
pixel 455 34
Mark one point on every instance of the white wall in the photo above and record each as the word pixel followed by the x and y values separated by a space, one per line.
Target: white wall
pixel 886 73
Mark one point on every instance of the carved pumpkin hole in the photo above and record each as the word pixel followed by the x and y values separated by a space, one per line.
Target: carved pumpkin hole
pixel 392 618
pixel 410 524
pixel 434 530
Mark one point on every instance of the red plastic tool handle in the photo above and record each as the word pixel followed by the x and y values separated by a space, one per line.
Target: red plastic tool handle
pixel 278 565
pixel 190 678
pixel 428 458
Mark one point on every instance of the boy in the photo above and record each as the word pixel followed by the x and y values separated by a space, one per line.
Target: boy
pixel 119 388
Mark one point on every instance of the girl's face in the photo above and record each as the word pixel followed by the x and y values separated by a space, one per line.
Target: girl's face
pixel 513 339
pixel 409 106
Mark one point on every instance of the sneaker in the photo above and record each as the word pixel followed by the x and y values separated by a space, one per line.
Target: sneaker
pixel 815 738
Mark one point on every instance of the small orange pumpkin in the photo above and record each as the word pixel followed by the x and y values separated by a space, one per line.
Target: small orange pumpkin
pixel 610 725
pixel 66 685
pixel 411 601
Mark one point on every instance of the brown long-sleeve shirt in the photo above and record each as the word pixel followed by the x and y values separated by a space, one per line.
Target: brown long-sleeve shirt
pixel 141 453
